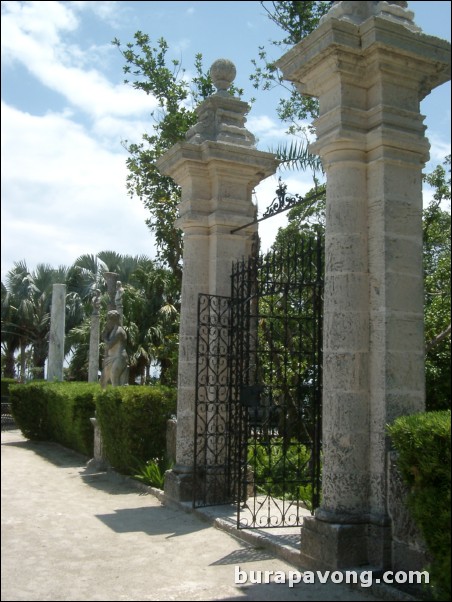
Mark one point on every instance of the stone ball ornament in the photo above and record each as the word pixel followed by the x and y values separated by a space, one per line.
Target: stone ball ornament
pixel 223 73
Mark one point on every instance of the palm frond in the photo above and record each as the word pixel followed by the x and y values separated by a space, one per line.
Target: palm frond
pixel 297 156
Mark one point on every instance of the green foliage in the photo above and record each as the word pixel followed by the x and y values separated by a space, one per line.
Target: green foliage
pixel 437 271
pixel 296 20
pixel 423 443
pixel 152 472
pixel 296 156
pixel 26 300
pixel 304 219
pixel 282 469
pixel 57 412
pixel 148 68
pixel 5 383
pixel 133 423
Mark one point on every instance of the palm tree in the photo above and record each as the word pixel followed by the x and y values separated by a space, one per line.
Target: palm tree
pixel 26 303
pixel 11 339
pixel 150 312
pixel 151 320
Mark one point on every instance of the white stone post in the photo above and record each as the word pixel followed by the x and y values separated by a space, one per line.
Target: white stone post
pixel 93 366
pixel 56 340
pixel 370 67
pixel 217 168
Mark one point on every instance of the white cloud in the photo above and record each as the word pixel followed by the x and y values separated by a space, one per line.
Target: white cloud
pixel 264 127
pixel 63 194
pixel 32 35
pixel 108 10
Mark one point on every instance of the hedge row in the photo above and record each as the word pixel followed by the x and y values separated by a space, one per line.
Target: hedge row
pixel 133 423
pixel 423 444
pixel 57 412
pixel 5 383
pixel 132 419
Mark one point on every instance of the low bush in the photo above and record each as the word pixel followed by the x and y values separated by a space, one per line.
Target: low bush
pixel 423 444
pixel 5 383
pixel 133 421
pixel 57 412
pixel 152 472
pixel 282 471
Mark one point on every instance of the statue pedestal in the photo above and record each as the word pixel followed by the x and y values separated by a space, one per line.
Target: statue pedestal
pixel 99 460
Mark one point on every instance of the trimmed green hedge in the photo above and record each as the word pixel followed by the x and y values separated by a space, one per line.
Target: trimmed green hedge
pixel 423 443
pixel 57 412
pixel 5 383
pixel 133 423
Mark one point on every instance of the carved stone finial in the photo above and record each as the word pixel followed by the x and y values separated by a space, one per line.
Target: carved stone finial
pixel 223 73
pixel 358 12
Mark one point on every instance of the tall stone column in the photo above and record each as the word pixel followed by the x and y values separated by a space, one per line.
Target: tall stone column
pixel 217 168
pixel 56 340
pixel 370 67
pixel 93 366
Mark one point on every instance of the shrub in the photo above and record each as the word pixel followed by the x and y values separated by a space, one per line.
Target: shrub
pixel 5 383
pixel 282 471
pixel 423 443
pixel 57 412
pixel 133 423
pixel 152 472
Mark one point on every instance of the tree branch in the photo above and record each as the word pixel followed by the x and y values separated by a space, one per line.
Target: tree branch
pixel 437 340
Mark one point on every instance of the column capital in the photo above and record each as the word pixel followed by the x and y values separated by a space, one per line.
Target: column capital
pixel 216 177
pixel 370 79
pixel 341 47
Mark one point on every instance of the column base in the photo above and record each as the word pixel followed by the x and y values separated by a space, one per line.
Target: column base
pixel 99 461
pixel 333 546
pixel 340 545
pixel 179 483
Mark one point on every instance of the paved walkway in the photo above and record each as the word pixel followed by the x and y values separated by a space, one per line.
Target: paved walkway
pixel 71 533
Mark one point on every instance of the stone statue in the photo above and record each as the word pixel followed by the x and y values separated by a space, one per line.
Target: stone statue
pixel 119 294
pixel 116 369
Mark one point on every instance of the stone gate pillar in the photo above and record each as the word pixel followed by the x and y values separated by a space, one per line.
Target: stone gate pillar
pixel 370 67
pixel 56 339
pixel 217 168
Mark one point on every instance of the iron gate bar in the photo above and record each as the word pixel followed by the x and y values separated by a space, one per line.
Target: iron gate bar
pixel 258 389
pixel 212 412
pixel 277 327
pixel 282 202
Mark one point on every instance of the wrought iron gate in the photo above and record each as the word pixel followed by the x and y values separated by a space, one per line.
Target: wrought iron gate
pixel 258 394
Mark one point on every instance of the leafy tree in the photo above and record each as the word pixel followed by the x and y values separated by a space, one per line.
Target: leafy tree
pixel 149 67
pixel 26 302
pixel 437 270
pixel 296 19
pixel 151 312
pixel 11 338
pixel 151 319
pixel 309 216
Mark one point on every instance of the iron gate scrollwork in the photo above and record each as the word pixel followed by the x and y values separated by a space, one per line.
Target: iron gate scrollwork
pixel 258 396
pixel 212 400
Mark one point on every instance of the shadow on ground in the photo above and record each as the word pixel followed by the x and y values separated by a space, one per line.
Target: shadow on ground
pixel 154 520
pixel 52 452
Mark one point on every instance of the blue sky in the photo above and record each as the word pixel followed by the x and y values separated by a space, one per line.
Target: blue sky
pixel 65 111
